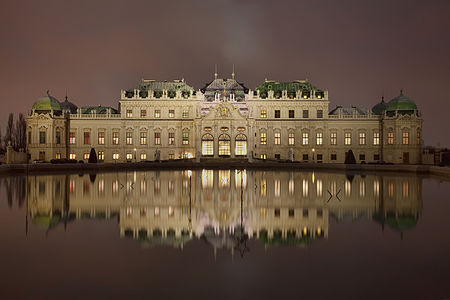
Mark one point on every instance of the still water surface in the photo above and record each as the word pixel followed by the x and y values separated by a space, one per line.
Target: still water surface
pixel 224 234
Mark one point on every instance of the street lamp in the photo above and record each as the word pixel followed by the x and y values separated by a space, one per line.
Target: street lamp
pixel 189 172
pixel 135 154
pixel 313 150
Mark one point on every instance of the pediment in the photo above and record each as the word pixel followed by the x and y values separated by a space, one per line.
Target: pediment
pixel 224 111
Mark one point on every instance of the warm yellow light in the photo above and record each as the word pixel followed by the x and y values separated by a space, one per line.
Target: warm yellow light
pixel 189 172
pixel 305 230
pixel 319 231
pixel 313 177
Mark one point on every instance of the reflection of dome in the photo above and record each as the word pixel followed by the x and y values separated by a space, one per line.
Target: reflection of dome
pixel 402 105
pixel 47 104
pixel 68 107
pixel 379 108
pixel 402 222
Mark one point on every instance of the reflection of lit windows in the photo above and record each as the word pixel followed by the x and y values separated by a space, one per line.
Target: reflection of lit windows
pixel 240 177
pixel 263 213
pixel 86 187
pixel 101 187
pixel 405 189
pixel 171 211
pixel 319 187
pixel 362 188
pixel 72 186
pixel 224 176
pixel 291 187
pixel 277 185
pixel 207 178
pixel 305 188
pixel 348 188
pixel 333 188
pixel 391 189
pixel 157 186
pixel 115 186
pixel 263 187
pixel 171 186
pixel 376 188
pixel 143 186
pixel 157 211
pixel 129 211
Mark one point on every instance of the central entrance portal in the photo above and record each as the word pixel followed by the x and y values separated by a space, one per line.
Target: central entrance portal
pixel 224 145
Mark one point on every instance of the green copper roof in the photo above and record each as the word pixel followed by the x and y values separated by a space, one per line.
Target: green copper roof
pixel 47 103
pixel 304 86
pixel 401 103
pixel 379 108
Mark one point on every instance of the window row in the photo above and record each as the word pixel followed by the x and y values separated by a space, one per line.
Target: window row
pixel 291 114
pixel 129 138
pixel 157 113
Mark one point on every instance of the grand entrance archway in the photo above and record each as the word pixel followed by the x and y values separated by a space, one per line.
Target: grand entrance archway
pixel 207 145
pixel 240 145
pixel 224 145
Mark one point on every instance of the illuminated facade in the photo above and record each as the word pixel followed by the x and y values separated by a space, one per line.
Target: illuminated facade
pixel 278 120
pixel 169 207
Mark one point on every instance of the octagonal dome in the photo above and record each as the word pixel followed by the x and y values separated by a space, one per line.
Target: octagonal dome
pixel 402 105
pixel 47 104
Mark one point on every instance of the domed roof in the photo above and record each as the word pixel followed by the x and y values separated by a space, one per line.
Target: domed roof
pixel 401 104
pixel 379 108
pixel 68 106
pixel 46 104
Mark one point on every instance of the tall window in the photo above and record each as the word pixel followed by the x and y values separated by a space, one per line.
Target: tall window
pixel 263 114
pixel 405 138
pixel 241 145
pixel 185 138
pixel 362 138
pixel 291 138
pixel 115 138
pixel 319 114
pixel 101 138
pixel 143 137
pixel 129 113
pixel 171 113
pixel 333 138
pixel 207 145
pixel 115 156
pixel 347 138
pixel 263 138
pixel 101 155
pixel 224 144
pixel 171 138
pixel 291 114
pixel 277 113
pixel 376 138
pixel 319 138
pixel 87 138
pixel 129 138
pixel 305 138
pixel 58 137
pixel 390 138
pixel 72 139
pixel 185 113
pixel 143 113
pixel 157 113
pixel 277 138
pixel 418 137
pixel 42 137
pixel 157 138
pixel 305 113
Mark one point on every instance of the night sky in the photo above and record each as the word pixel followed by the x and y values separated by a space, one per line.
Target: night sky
pixel 358 50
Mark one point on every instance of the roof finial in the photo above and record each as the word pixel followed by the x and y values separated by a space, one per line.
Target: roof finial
pixel 48 92
pixel 232 74
pixel 215 71
pixel 66 95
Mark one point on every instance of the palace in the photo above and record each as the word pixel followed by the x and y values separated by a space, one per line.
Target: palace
pixel 162 120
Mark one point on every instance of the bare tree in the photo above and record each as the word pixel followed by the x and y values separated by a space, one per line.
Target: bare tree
pixel 20 133
pixel 9 135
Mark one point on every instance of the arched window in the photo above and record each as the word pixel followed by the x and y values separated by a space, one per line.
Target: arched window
pixel 224 145
pixel 207 145
pixel 241 145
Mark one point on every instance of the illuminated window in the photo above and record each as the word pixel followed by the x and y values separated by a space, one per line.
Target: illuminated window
pixel 101 138
pixel 263 156
pixel 376 138
pixel 240 145
pixel 390 137
pixel 72 156
pixel 157 138
pixel 58 156
pixel 405 138
pixel 101 156
pixel 347 138
pixel 129 113
pixel 263 113
pixel 143 113
pixel 129 138
pixel 171 113
pixel 333 138
pixel 207 145
pixel 277 138
pixel 263 138
pixel 129 156
pixel 291 114
pixel 143 138
pixel 42 137
pixel 185 114
pixel 277 114
pixel 115 138
pixel 305 138
pixel 72 139
pixel 224 145
pixel 115 156
pixel 87 138
pixel 185 138
pixel 86 156
pixel 157 113
pixel 362 138
pixel 143 156
pixel 319 138
pixel 291 138
pixel 171 138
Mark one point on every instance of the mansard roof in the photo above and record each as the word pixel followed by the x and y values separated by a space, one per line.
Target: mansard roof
pixel 296 85
pixel 98 110
pixel 175 85
pixel 226 86
pixel 349 110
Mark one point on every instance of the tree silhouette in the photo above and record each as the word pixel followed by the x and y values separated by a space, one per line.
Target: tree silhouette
pixel 350 157
pixel 92 156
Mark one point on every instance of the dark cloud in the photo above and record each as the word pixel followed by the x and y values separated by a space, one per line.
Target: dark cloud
pixel 358 50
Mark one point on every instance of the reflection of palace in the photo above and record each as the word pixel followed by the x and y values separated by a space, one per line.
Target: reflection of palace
pixel 169 207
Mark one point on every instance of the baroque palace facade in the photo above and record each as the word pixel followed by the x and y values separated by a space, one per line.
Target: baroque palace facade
pixel 276 120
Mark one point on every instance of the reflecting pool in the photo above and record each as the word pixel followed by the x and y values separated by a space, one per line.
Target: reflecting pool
pixel 221 234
